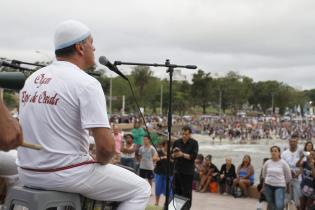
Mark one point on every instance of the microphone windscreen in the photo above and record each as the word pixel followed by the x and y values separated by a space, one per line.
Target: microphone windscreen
pixel 103 60
pixel 12 80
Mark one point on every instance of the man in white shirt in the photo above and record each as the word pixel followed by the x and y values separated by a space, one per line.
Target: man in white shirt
pixel 59 104
pixel 292 156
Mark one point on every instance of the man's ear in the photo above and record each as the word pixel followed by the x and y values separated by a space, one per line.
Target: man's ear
pixel 79 48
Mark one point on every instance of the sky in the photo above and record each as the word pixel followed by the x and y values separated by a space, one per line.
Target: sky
pixel 262 39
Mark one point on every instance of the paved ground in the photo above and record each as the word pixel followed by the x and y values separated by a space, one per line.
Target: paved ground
pixel 215 201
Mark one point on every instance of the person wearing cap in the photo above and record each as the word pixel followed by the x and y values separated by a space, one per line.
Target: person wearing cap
pixel 292 157
pixel 10 131
pixel 59 105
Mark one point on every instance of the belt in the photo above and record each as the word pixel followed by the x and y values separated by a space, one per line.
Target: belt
pixel 61 168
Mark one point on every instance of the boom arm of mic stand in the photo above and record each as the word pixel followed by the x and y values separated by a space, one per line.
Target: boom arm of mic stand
pixel 155 65
pixel 170 71
pixel 27 63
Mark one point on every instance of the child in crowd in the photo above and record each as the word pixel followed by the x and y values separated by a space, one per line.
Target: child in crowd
pixel 160 172
pixel 147 154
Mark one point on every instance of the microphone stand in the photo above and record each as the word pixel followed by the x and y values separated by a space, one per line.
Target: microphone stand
pixel 170 70
pixel 17 62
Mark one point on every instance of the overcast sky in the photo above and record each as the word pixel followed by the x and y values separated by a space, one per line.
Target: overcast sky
pixel 263 39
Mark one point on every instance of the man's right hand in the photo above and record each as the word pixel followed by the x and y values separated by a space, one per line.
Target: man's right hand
pixel 11 135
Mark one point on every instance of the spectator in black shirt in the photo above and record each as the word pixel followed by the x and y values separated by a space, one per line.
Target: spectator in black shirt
pixel 160 171
pixel 227 175
pixel 184 152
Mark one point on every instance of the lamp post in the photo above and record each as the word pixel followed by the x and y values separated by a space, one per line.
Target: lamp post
pixel 220 102
pixel 161 101
pixel 110 95
pixel 272 103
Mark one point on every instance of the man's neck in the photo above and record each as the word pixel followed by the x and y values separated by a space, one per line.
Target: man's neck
pixel 185 141
pixel 74 60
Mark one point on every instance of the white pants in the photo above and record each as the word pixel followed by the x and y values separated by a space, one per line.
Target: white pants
pixel 295 191
pixel 7 163
pixel 95 181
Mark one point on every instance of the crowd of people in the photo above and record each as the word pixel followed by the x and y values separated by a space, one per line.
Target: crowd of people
pixel 286 176
pixel 240 128
pixel 146 155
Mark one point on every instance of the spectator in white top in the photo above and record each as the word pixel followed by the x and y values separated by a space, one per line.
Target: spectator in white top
pixel 59 104
pixel 128 149
pixel 308 147
pixel 276 173
pixel 292 156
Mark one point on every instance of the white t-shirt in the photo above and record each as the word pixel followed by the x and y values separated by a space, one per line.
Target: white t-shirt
pixel 57 105
pixel 127 155
pixel 276 173
pixel 147 154
pixel 292 158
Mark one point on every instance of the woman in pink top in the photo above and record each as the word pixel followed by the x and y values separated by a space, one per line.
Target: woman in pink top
pixel 118 139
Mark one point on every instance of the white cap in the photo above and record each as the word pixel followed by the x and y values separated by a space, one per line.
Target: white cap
pixel 70 32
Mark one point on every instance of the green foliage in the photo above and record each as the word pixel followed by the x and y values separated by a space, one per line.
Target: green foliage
pixel 205 94
pixel 10 99
pixel 141 76
pixel 202 89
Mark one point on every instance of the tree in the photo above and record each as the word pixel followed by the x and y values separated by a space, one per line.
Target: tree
pixel 202 88
pixel 235 90
pixel 264 94
pixel 181 96
pixel 10 99
pixel 141 76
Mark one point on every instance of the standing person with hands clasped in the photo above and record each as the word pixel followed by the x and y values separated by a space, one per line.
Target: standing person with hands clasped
pixel 184 153
pixel 147 156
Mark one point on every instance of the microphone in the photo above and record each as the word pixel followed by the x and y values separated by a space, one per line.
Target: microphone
pixel 104 61
pixel 14 66
pixel 190 67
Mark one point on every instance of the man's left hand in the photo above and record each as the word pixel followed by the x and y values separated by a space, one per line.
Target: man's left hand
pixel 178 154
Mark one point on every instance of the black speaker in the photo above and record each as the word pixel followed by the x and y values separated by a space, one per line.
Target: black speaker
pixel 178 203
